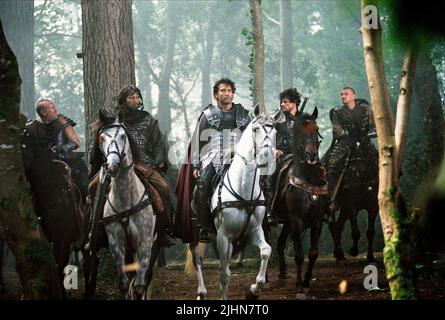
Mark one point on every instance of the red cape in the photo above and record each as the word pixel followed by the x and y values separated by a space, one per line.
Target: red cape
pixel 185 184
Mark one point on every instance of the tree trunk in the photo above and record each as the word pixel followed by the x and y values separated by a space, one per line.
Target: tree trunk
pixel 108 54
pixel 144 13
pixel 427 90
pixel 34 260
pixel 258 54
pixel 18 24
pixel 206 93
pixel 286 44
pixel 397 253
pixel 404 103
pixel 164 108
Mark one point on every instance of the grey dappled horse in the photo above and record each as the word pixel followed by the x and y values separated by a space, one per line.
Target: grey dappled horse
pixel 128 214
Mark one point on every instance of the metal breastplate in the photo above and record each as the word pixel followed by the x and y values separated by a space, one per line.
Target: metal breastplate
pixel 138 134
pixel 224 132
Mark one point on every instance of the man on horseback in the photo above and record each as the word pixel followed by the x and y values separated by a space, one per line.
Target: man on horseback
pixel 218 129
pixel 54 138
pixel 352 127
pixel 149 154
pixel 289 102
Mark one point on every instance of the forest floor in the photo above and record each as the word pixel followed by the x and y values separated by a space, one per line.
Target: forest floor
pixel 171 282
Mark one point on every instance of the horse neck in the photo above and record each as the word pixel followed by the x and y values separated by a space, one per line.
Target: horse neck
pixel 126 188
pixel 308 172
pixel 243 177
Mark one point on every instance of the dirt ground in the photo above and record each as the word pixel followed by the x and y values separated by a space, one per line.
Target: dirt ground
pixel 171 283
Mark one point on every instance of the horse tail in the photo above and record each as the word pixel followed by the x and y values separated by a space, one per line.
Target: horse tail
pixel 189 267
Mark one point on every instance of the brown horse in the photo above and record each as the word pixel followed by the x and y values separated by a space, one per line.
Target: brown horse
pixel 305 195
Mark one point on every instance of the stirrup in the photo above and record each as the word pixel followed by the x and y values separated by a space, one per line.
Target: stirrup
pixel 204 235
pixel 271 220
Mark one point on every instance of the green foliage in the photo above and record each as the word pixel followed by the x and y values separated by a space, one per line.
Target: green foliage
pixel 58 72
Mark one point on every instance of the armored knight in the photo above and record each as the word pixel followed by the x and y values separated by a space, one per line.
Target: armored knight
pixel 219 128
pixel 289 102
pixel 352 127
pixel 53 137
pixel 149 155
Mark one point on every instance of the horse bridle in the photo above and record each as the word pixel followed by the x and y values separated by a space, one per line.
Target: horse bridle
pixel 311 139
pixel 267 137
pixel 120 153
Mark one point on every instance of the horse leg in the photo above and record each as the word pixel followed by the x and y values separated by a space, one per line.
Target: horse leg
pixel 117 241
pixel 355 234
pixel 143 257
pixel 338 229
pixel 297 232
pixel 281 245
pixel 257 239
pixel 225 249
pixel 2 249
pixel 313 253
pixel 197 263
pixel 370 233
pixel 90 269
pixel 155 250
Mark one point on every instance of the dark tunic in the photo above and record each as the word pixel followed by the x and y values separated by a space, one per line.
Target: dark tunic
pixel 284 133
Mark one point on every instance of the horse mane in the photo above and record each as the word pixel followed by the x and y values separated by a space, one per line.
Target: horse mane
pixel 105 118
pixel 305 124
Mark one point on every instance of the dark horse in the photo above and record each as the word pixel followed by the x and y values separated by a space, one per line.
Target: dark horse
pixel 357 190
pixel 305 192
pixel 57 200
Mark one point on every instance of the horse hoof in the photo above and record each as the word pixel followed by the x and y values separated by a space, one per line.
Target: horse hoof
pixel 300 296
pixel 371 260
pixel 250 295
pixel 201 296
pixel 353 252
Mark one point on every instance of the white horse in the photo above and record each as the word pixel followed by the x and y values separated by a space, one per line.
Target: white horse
pixel 128 215
pixel 239 203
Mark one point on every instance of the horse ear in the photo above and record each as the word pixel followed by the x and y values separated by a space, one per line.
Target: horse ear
pixel 106 117
pixel 279 117
pixel 256 110
pixel 314 114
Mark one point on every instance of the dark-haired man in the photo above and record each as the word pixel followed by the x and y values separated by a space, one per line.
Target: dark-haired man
pixel 289 101
pixel 149 154
pixel 219 127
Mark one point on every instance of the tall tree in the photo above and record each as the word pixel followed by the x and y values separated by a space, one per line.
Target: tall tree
pixel 108 53
pixel 34 260
pixel 18 22
pixel 209 44
pixel 258 53
pixel 404 102
pixel 164 105
pixel 286 44
pixel 428 96
pixel 397 252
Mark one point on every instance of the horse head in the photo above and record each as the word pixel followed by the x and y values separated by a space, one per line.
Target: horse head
pixel 264 134
pixel 306 142
pixel 114 144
